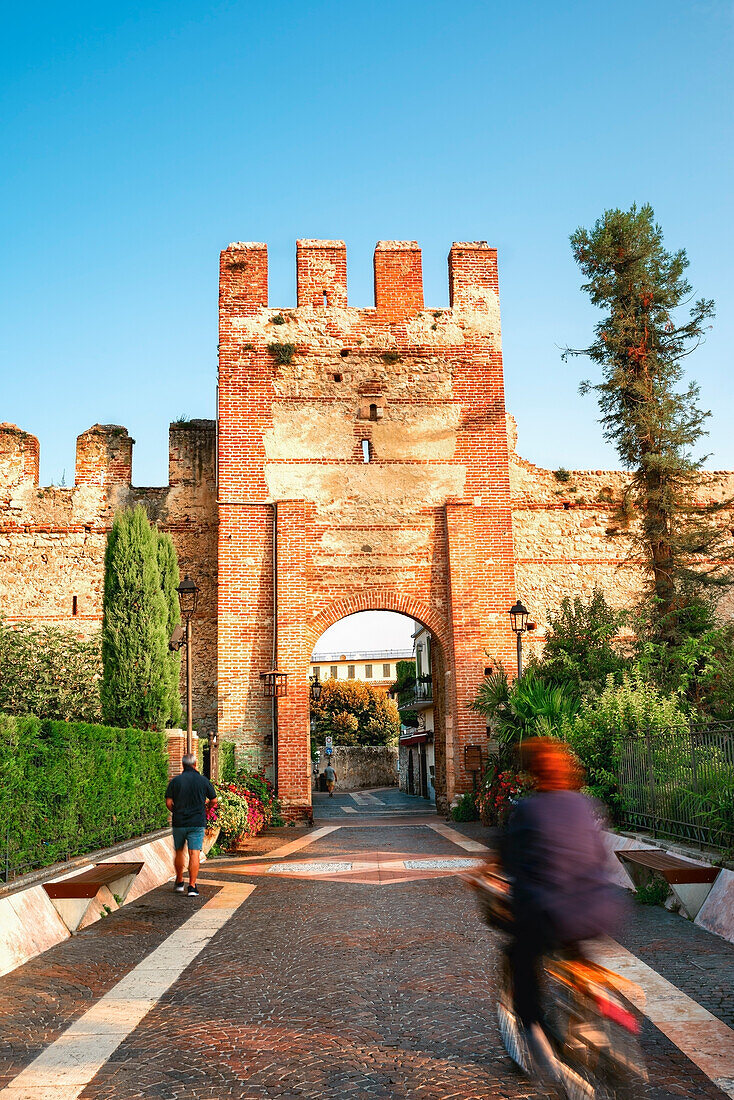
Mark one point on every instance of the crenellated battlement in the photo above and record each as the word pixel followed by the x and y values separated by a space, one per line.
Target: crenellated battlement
pixel 104 456
pixel 321 278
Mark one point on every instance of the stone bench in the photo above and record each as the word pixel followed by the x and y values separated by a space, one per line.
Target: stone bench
pixel 74 896
pixel 690 882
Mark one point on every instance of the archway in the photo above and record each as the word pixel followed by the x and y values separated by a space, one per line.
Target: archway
pixel 296 646
pixel 365 648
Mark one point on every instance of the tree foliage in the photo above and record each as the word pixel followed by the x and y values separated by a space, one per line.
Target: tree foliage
pixel 355 713
pixel 50 672
pixel 136 674
pixel 582 643
pixel 169 574
pixel 654 424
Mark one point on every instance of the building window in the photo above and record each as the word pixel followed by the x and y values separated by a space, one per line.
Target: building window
pixel 386 672
pixel 75 605
pixel 316 672
pixel 350 672
pixel 368 672
pixel 334 672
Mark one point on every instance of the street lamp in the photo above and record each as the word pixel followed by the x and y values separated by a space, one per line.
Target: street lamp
pixel 188 597
pixel 519 615
pixel 315 689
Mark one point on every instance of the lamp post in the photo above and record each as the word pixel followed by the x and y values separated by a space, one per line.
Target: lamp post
pixel 188 596
pixel 519 622
pixel 314 696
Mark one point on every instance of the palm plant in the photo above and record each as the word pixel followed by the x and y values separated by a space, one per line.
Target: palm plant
pixel 529 707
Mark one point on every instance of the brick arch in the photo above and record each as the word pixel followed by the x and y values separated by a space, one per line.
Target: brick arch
pixel 382 601
pixel 389 600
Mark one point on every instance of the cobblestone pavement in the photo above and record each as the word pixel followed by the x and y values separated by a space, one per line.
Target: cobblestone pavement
pixel 324 989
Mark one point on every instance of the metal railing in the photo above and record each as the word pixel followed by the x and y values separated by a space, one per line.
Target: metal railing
pixel 680 784
pixel 420 692
pixel 18 857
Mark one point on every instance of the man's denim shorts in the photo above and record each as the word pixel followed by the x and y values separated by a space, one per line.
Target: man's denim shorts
pixel 193 836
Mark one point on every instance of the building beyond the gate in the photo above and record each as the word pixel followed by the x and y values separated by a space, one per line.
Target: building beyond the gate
pixel 365 462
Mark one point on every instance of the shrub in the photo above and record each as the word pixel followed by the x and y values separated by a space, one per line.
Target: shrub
pixel 582 643
pixel 67 788
pixel 500 791
pixel 654 892
pixel 466 808
pixel 227 771
pixel 282 353
pixel 231 812
pixel 50 672
pixel 135 677
pixel 631 708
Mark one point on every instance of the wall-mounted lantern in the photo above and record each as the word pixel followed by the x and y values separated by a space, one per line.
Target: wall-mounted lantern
pixel 275 683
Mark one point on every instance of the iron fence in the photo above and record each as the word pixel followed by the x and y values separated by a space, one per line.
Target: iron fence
pixel 680 784
pixel 18 857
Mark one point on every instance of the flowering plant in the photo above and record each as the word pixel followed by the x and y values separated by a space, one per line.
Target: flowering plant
pixel 499 792
pixel 231 813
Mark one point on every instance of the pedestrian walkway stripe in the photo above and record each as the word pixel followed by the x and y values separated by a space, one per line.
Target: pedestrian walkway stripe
pixel 458 838
pixel 65 1068
pixel 704 1039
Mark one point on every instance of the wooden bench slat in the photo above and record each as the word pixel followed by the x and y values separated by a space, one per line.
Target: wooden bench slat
pixel 673 869
pixel 87 883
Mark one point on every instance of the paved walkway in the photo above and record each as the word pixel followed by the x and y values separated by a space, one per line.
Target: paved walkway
pixel 337 962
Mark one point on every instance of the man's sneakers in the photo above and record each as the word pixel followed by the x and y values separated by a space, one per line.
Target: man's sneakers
pixel 180 888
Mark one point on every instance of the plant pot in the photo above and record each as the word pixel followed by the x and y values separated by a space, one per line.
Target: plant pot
pixel 238 844
pixel 211 836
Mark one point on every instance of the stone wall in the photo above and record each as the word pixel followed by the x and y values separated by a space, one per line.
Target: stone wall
pixel 52 540
pixel 568 537
pixel 362 766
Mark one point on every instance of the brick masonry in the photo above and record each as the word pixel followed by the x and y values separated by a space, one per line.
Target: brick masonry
pixel 445 523
pixel 52 540
pixel 424 527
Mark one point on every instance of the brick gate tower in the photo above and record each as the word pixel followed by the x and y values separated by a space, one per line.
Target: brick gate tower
pixel 362 465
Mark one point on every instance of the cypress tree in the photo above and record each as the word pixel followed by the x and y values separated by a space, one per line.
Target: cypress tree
pixel 135 670
pixel 168 569
pixel 653 422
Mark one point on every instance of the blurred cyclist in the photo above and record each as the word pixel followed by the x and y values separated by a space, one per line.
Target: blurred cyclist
pixel 554 854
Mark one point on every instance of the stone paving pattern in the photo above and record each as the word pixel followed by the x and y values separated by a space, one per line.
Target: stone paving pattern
pixel 323 990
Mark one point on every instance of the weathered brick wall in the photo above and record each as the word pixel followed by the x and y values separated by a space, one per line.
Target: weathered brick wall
pixel 568 536
pixel 423 528
pixel 52 540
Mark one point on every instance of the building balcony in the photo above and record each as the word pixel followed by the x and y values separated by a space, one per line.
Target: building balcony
pixel 418 697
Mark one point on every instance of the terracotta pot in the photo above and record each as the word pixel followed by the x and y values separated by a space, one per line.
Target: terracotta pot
pixel 238 844
pixel 210 838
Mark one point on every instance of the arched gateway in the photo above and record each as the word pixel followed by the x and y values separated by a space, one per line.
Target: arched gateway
pixel 362 465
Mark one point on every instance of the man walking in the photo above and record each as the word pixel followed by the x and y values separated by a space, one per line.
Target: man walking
pixel 187 797
pixel 330 776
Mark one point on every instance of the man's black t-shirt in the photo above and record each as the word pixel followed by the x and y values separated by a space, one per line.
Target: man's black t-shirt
pixel 189 792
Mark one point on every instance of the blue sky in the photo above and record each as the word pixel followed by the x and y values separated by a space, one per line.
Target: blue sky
pixel 139 139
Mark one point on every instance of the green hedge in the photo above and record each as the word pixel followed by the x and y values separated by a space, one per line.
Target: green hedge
pixel 67 788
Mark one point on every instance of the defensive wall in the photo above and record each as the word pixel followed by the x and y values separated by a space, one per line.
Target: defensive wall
pixel 52 539
pixel 365 462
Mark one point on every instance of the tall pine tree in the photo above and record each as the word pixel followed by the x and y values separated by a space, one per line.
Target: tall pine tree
pixel 168 569
pixel 653 422
pixel 135 670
